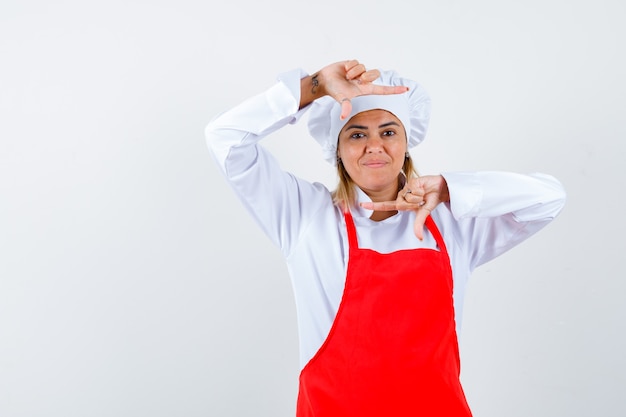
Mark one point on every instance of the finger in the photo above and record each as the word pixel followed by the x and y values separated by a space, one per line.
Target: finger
pixel 380 205
pixel 398 205
pixel 421 215
pixel 413 192
pixel 413 197
pixel 355 72
pixel 346 108
pixel 369 76
pixel 388 89
pixel 350 63
pixel 420 218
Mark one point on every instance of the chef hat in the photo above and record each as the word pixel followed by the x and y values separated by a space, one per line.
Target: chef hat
pixel 411 108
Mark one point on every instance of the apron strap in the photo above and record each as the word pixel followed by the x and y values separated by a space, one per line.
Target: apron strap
pixel 434 230
pixel 352 238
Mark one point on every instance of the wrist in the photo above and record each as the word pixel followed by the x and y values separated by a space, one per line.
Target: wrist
pixel 310 89
pixel 444 192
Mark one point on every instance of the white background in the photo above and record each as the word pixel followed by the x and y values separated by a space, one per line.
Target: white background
pixel 132 283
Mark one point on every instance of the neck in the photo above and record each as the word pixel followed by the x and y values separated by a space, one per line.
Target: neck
pixel 385 195
pixel 388 194
pixel 378 216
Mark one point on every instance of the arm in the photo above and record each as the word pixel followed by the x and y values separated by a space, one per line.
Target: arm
pixel 270 195
pixel 496 211
pixel 480 194
pixel 279 202
pixel 529 197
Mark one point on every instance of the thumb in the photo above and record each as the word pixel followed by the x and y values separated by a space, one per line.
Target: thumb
pixel 346 108
pixel 421 215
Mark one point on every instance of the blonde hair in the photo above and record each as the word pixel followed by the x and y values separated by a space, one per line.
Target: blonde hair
pixel 345 193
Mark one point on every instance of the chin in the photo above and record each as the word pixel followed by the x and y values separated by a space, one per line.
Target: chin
pixel 377 187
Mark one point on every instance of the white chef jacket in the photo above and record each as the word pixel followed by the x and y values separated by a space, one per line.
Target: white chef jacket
pixel 488 212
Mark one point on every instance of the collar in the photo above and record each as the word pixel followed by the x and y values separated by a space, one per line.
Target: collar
pixel 359 211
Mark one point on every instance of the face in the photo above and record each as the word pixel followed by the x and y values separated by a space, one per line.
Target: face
pixel 372 148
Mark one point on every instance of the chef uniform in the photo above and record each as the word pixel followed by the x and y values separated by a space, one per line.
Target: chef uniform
pixel 378 310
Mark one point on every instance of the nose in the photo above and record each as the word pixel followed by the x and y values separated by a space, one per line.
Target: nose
pixel 374 144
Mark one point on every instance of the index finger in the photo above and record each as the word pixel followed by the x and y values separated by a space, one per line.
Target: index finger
pixel 388 89
pixel 380 205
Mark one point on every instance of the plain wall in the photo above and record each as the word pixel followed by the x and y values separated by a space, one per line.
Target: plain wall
pixel 132 282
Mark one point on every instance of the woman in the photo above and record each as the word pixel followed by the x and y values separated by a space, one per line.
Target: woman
pixel 378 266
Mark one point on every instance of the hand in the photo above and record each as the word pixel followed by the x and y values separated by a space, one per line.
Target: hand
pixel 420 194
pixel 343 81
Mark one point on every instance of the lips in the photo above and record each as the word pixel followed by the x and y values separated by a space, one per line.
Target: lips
pixel 375 163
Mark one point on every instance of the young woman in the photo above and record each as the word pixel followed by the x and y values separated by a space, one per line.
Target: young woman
pixel 379 265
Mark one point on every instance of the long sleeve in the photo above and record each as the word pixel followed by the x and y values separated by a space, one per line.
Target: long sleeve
pixel 274 198
pixel 496 211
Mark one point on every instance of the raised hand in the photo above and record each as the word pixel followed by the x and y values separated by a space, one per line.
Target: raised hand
pixel 343 81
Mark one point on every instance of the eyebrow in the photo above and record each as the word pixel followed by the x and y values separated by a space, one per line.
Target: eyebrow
pixel 392 123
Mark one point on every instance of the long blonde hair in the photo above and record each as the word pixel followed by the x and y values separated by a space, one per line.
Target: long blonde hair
pixel 345 193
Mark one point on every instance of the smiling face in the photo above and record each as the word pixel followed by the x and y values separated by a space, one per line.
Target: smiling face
pixel 372 148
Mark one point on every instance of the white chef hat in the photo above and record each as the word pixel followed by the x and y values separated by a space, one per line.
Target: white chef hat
pixel 412 108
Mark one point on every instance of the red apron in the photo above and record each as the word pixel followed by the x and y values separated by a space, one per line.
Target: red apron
pixel 392 350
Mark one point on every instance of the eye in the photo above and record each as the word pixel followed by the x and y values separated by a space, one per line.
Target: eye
pixel 389 133
pixel 357 135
